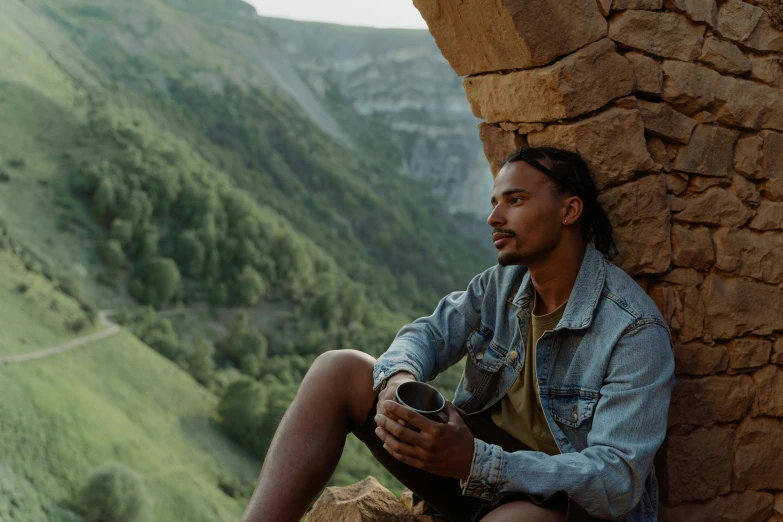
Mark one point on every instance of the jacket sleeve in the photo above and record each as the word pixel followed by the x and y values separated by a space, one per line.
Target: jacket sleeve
pixel 607 478
pixel 431 344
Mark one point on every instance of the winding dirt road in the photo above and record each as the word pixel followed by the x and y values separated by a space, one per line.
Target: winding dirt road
pixel 111 329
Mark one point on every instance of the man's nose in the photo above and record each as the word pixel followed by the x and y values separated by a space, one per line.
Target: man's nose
pixel 496 217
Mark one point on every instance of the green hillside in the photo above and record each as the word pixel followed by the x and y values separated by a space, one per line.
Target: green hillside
pixel 114 401
pixel 158 159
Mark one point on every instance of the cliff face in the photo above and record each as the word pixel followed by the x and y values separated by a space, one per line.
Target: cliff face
pixel 399 79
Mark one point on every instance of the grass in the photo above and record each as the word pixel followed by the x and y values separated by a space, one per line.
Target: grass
pixel 117 400
pixel 37 317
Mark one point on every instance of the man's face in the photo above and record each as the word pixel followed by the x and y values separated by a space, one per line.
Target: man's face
pixel 527 214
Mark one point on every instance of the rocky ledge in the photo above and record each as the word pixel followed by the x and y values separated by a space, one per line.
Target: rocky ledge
pixel 368 501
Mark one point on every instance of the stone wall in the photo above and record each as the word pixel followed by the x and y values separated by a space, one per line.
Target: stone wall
pixel 677 107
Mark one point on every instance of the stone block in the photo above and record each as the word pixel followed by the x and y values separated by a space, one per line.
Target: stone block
pixel 699 184
pixel 639 214
pixel 758 454
pixel 663 121
pixel 668 35
pixel 478 36
pixel 746 191
pixel 682 309
pixel 619 5
pixel 498 145
pixel 772 189
pixel 748 353
pixel 611 143
pixel 749 254
pixel 748 155
pixel 697 465
pixel 700 359
pixel 737 19
pixel 768 217
pixel 724 57
pixel 693 88
pixel 772 160
pixel 701 11
pixel 716 206
pixel 765 36
pixel 748 506
pixel 706 400
pixel 777 351
pixel 769 391
pixel 710 151
pixel 690 87
pixel 660 156
pixel 582 82
pixel 743 103
pixel 605 6
pixel 767 69
pixel 648 72
pixel 365 501
pixel 692 247
pixel 735 307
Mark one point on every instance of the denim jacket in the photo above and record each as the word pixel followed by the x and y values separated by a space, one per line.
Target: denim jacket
pixel 605 376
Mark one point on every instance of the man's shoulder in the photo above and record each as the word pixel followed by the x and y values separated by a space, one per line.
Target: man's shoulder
pixel 627 295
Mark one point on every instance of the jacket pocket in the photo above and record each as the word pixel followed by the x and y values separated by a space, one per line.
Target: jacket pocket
pixel 572 410
pixel 484 352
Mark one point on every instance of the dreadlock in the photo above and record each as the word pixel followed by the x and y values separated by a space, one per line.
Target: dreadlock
pixel 572 177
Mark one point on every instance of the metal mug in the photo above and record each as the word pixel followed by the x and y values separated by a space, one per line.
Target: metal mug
pixel 423 399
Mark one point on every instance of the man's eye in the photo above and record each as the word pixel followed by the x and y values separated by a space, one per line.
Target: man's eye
pixel 515 200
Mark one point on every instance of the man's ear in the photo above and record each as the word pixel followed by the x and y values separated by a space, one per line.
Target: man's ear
pixel 573 209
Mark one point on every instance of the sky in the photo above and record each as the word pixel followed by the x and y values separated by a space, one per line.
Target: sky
pixel 372 13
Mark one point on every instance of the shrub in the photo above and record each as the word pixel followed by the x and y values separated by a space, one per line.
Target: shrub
pixel 113 493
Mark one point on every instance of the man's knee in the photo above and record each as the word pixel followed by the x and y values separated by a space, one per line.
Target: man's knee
pixel 348 374
pixel 348 364
pixel 523 512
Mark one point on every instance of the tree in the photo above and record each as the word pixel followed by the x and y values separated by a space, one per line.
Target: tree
pixel 112 254
pixel 104 199
pixel 113 493
pixel 190 254
pixel 244 347
pixel 122 231
pixel 200 360
pixel 159 280
pixel 250 286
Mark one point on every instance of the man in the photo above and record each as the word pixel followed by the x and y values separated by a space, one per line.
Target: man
pixel 564 398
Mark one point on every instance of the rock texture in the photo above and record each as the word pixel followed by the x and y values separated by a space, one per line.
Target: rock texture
pixel 483 35
pixel 365 501
pixel 677 108
pixel 580 83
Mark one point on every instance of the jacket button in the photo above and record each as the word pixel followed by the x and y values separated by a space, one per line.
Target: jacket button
pixel 513 355
pixel 479 356
pixel 541 381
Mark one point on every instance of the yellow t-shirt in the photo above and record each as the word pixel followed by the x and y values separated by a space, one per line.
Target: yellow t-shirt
pixel 519 412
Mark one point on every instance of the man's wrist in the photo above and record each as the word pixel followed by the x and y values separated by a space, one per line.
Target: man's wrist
pixel 401 376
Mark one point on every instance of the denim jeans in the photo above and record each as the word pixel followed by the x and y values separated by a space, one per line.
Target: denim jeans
pixel 445 494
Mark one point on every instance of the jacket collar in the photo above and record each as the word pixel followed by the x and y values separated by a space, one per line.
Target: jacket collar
pixel 584 295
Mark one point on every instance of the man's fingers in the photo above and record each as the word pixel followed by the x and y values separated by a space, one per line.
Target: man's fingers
pixel 399 430
pixel 408 415
pixel 411 461
pixel 399 447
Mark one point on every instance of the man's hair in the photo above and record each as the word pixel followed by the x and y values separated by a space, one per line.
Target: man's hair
pixel 572 177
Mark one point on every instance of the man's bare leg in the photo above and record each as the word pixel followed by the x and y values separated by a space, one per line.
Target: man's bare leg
pixel 335 394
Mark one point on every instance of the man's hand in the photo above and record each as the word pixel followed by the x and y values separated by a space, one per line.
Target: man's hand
pixel 390 392
pixel 442 449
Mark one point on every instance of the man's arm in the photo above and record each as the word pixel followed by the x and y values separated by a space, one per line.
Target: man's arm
pixel 431 344
pixel 629 424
